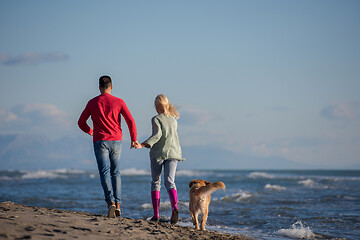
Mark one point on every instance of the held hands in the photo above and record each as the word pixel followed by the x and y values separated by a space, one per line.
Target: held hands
pixel 134 144
pixel 140 145
pixel 137 145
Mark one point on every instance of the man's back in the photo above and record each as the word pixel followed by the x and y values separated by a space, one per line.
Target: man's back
pixel 105 111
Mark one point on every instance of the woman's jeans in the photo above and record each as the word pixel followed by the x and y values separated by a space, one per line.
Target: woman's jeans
pixel 108 160
pixel 169 174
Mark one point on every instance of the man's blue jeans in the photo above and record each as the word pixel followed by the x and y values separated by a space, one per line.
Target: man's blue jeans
pixel 108 160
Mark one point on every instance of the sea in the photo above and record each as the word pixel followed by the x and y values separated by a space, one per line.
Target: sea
pixel 284 204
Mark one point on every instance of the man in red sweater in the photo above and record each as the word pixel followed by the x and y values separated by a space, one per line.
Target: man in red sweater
pixel 105 111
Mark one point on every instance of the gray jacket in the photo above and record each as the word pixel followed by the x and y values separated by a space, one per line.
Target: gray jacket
pixel 164 141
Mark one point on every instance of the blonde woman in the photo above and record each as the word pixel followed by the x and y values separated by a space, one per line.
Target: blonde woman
pixel 165 152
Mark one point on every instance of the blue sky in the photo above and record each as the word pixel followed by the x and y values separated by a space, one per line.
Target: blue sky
pixel 261 78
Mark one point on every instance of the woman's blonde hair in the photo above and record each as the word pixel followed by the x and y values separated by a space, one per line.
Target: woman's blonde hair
pixel 163 104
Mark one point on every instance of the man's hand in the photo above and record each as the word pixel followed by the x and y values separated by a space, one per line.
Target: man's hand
pixel 134 144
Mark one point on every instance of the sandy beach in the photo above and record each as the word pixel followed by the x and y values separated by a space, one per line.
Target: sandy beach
pixel 24 222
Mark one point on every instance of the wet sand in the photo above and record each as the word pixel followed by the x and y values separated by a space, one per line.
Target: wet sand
pixel 23 222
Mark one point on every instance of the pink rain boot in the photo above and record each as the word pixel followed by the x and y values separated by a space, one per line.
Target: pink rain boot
pixel 173 201
pixel 155 198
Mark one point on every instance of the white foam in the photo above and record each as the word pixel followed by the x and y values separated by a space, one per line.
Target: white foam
pixel 57 173
pixel 237 197
pixel 5 178
pixel 307 182
pixel 68 171
pixel 275 187
pixel 134 172
pixel 165 205
pixel 243 196
pixel 143 172
pixel 260 175
pixel 312 184
pixel 297 230
pixel 190 173
pixel 146 206
pixel 41 174
pixel 187 222
pixel 348 198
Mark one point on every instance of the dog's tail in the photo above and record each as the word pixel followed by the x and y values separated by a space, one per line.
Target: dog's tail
pixel 210 188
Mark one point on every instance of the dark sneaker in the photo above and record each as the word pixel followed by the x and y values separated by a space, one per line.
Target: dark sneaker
pixel 111 209
pixel 117 210
pixel 175 216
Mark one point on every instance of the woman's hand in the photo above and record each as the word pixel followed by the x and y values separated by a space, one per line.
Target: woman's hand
pixel 142 145
pixel 139 146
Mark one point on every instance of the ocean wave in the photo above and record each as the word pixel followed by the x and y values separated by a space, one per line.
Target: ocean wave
pixel 350 198
pixel 237 197
pixel 5 178
pixel 297 230
pixel 50 174
pixel 275 187
pixel 68 171
pixel 307 183
pixel 305 178
pixel 329 178
pixel 165 205
pixel 226 229
pixel 234 230
pixel 312 184
pixel 190 173
pixel 256 175
pixel 10 175
pixel 143 172
pixel 39 174
pixel 135 172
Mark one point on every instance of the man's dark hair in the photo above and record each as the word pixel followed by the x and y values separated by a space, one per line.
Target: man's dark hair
pixel 105 82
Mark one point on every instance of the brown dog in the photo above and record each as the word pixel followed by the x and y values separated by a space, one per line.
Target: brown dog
pixel 200 196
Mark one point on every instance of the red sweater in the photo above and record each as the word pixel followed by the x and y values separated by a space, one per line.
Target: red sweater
pixel 105 111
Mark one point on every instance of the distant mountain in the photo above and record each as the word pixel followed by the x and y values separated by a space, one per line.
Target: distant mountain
pixel 39 152
pixel 30 152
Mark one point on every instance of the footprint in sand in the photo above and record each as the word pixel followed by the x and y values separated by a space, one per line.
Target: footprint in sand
pixel 29 228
